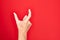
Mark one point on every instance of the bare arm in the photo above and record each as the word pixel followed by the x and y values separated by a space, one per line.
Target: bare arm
pixel 23 26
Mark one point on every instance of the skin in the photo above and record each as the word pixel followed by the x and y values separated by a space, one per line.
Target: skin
pixel 23 26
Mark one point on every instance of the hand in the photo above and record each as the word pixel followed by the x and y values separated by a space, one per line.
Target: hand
pixel 25 24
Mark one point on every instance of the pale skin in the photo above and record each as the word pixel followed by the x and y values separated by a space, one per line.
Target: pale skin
pixel 23 26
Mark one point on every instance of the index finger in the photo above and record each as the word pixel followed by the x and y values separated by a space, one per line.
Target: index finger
pixel 29 15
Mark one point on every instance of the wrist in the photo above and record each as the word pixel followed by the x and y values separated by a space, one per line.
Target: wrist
pixel 22 35
pixel 22 32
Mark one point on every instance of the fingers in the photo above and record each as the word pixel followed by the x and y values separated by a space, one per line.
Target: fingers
pixel 29 15
pixel 15 16
pixel 25 17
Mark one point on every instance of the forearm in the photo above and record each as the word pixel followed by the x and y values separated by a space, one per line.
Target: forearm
pixel 22 36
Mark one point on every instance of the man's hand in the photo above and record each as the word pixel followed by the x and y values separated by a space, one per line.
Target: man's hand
pixel 24 25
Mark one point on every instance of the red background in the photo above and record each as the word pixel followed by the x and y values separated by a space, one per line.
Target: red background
pixel 45 19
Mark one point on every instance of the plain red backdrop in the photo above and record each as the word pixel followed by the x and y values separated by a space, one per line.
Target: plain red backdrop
pixel 45 19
